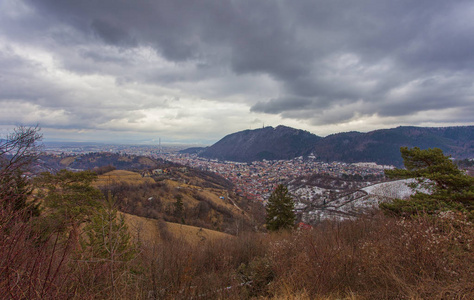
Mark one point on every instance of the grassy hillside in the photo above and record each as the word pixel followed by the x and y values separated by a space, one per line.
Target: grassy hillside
pixel 118 176
pixel 205 203
pixel 149 231
pixel 67 161
pixel 92 257
pixel 374 258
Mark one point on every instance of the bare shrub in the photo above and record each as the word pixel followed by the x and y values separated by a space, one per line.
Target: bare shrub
pixel 378 258
pixel 32 266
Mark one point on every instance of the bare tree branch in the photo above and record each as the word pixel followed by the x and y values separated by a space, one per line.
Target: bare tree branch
pixel 19 151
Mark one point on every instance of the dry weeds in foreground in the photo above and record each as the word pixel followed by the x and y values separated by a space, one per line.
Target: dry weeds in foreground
pixel 377 258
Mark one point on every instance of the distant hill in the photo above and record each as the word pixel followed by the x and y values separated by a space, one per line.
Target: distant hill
pixel 266 143
pixel 193 150
pixel 98 160
pixel 380 146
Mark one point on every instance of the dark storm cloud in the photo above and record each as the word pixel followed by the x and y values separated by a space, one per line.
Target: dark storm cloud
pixel 332 60
pixel 112 34
pixel 276 37
pixel 279 105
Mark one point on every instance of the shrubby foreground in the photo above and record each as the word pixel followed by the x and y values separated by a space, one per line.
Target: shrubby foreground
pixel 376 258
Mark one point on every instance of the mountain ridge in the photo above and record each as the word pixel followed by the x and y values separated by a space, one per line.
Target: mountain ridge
pixel 381 146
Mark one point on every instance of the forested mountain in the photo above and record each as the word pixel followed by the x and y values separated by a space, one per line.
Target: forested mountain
pixel 380 146
pixel 383 146
pixel 265 143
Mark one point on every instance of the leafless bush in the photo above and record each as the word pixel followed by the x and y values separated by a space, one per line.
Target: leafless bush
pixel 378 258
pixel 18 152
pixel 32 266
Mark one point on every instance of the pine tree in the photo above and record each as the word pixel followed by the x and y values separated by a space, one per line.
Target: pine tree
pixel 447 187
pixel 280 210
pixel 179 208
pixel 69 197
pixel 107 248
pixel 107 234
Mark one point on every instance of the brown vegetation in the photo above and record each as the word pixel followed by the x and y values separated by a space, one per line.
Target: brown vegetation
pixel 119 176
pixel 201 206
pixel 145 231
pixel 377 258
pixel 67 161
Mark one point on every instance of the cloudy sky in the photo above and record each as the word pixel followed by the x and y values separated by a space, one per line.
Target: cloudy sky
pixel 196 70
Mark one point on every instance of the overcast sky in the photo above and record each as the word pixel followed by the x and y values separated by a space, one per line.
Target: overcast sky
pixel 196 70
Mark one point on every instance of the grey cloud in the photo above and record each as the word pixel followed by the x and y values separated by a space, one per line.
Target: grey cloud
pixel 112 34
pixel 101 57
pixel 430 94
pixel 279 105
pixel 324 56
pixel 18 79
pixel 169 26
pixel 25 91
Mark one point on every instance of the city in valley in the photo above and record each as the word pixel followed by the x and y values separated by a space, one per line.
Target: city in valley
pixel 320 190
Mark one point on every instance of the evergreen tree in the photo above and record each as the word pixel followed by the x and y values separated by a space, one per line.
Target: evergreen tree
pixel 280 210
pixel 179 208
pixel 107 234
pixel 107 249
pixel 440 184
pixel 70 197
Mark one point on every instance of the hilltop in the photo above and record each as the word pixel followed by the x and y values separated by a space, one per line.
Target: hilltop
pixel 79 246
pixel 265 143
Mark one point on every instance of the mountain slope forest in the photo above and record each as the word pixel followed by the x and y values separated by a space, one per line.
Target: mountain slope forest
pixel 380 146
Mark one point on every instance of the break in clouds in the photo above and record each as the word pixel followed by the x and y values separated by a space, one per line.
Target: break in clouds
pixel 197 70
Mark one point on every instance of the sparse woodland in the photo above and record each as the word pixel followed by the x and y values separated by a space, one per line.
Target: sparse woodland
pixel 78 246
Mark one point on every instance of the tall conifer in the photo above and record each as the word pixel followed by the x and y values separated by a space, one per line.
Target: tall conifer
pixel 280 210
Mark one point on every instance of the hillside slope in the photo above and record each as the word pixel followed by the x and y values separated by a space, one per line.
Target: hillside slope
pixel 206 201
pixel 149 231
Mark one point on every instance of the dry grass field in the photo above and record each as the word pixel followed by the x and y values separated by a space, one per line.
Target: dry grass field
pixel 213 195
pixel 149 231
pixel 67 161
pixel 117 176
pixel 147 161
